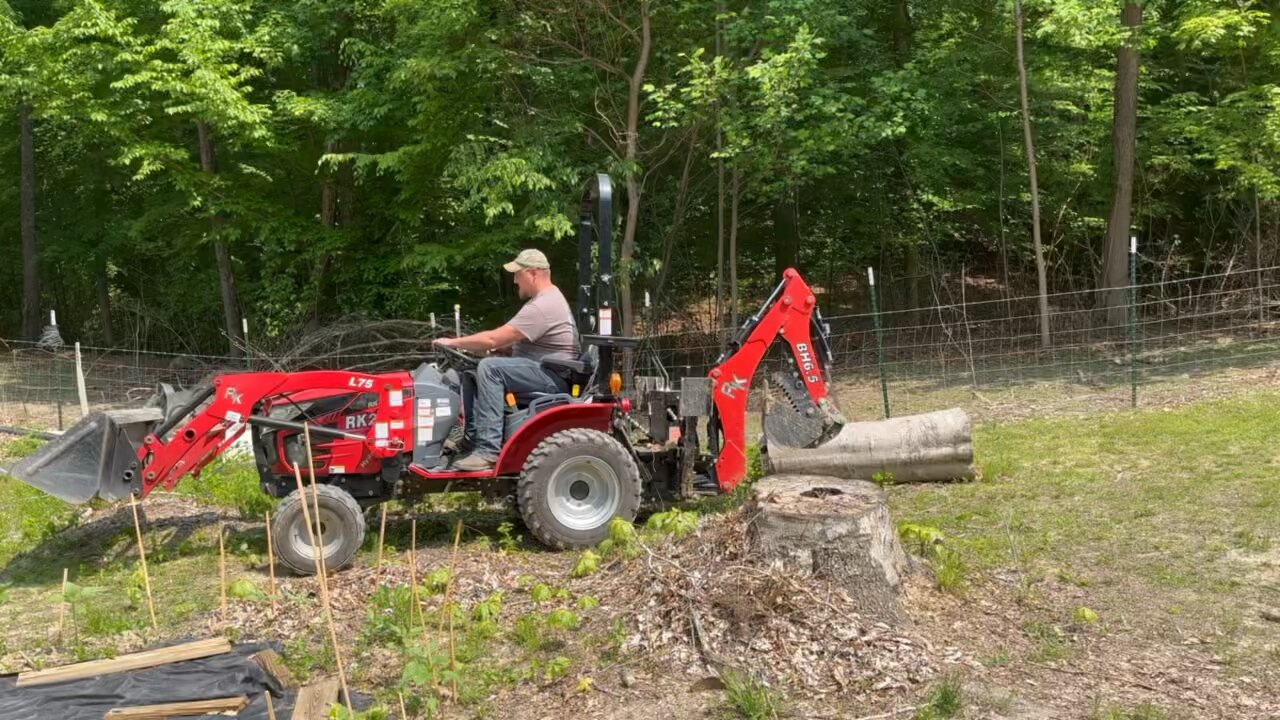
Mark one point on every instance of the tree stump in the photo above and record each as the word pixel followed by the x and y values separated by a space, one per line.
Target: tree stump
pixel 835 529
pixel 912 448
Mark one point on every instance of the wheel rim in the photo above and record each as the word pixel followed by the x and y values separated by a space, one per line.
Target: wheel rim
pixel 584 493
pixel 330 536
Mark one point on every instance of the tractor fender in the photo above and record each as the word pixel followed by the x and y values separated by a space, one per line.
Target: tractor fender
pixel 593 416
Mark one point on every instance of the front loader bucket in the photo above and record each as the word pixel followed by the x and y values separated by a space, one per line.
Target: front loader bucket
pixel 91 458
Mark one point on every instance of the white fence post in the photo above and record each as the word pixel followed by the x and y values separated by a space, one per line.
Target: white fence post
pixel 80 388
pixel 457 320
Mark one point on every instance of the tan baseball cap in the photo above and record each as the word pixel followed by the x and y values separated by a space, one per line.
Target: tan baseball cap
pixel 528 259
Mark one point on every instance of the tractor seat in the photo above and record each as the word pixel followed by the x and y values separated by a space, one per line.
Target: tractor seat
pixel 580 372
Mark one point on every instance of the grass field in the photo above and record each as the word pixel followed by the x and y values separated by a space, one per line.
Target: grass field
pixel 1107 566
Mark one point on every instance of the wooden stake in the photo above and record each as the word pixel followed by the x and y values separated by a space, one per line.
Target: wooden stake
pixel 222 573
pixel 448 592
pixel 271 564
pixel 413 578
pixel 62 609
pixel 142 556
pixel 219 706
pixel 271 708
pixel 382 533
pixel 324 580
pixel 404 714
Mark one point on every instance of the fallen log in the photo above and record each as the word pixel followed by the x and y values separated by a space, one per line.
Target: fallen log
pixel 935 446
pixel 834 529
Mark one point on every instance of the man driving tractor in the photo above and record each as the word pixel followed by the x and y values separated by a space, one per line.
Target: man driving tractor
pixel 543 328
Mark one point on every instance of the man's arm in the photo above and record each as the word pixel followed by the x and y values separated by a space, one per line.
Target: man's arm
pixel 487 341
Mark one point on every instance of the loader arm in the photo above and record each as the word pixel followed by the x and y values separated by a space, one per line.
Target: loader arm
pixel 790 313
pixel 197 442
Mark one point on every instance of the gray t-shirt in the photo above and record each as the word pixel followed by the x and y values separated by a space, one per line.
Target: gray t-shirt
pixel 547 323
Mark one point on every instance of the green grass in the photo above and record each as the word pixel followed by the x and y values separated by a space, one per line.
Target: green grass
pixel 748 698
pixel 1120 502
pixel 945 700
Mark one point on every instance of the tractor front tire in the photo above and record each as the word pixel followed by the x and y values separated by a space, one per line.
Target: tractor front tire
pixel 573 484
pixel 341 524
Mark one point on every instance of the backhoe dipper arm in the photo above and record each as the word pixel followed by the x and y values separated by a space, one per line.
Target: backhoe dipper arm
pixel 789 313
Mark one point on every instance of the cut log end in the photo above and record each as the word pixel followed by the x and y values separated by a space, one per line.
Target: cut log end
pixel 834 529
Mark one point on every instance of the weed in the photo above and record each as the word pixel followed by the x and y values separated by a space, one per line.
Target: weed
pixel 556 668
pixel 999 658
pixel 674 522
pixel 1084 616
pixel 623 540
pixel 507 542
pixel 436 581
pixel 586 602
pixel 920 539
pixel 946 698
pixel 750 698
pixel 20 447
pixel 540 593
pixel 949 570
pixel 588 562
pixel 1050 641
pixel 487 610
pixel 561 618
pixel 882 478
pixel 1145 711
pixel 528 632
pixel 233 484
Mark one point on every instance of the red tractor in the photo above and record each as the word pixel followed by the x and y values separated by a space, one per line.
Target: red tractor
pixel 572 462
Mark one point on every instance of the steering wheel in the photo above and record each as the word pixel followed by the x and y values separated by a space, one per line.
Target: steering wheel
pixel 456 356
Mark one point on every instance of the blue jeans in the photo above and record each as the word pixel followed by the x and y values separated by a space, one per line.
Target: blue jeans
pixel 493 379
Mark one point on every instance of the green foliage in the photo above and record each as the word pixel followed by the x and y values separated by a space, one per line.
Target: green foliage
pixel 882 478
pixel 749 698
pixel 508 542
pixel 230 483
pixel 562 618
pixel 945 700
pixel 949 568
pixel 245 589
pixel 674 522
pixel 588 562
pixel 489 609
pixel 585 602
pixel 1084 615
pixel 540 593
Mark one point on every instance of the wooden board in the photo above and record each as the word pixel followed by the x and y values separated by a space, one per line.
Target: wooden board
pixel 126 663
pixel 314 700
pixel 270 662
pixel 218 706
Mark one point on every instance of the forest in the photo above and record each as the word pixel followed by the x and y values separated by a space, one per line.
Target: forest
pixel 172 166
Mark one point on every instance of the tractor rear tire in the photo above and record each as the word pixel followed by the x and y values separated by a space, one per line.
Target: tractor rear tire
pixel 573 484
pixel 341 523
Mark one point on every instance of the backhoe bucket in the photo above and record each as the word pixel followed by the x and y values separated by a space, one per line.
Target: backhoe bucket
pixel 91 458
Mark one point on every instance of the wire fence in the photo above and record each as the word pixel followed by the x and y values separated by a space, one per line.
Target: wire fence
pixel 1171 340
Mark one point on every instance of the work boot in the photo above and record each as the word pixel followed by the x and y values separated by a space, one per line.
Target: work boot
pixel 475 462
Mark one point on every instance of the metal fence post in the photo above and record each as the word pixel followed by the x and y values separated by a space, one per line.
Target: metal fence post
pixel 1133 321
pixel 875 318
pixel 457 321
pixel 248 355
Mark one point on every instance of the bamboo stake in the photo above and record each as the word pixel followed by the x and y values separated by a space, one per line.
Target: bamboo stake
pixel 222 572
pixel 271 564
pixel 62 609
pixel 448 592
pixel 382 533
pixel 324 580
pixel 404 714
pixel 142 555
pixel 413 578
pixel 271 708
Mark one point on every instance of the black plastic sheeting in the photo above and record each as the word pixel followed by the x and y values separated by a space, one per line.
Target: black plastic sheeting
pixel 226 675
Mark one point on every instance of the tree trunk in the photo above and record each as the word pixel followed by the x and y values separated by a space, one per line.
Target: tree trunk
pixel 1041 276
pixel 1115 254
pixel 734 195
pixel 901 28
pixel 833 529
pixel 104 303
pixel 635 83
pixel 226 270
pixel 719 320
pixel 786 234
pixel 913 448
pixel 27 212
